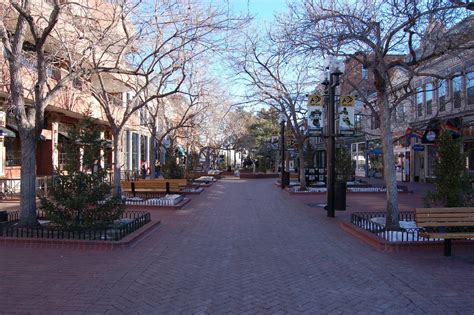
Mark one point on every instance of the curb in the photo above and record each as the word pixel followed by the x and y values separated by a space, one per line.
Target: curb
pixel 383 245
pixel 178 206
pixel 125 243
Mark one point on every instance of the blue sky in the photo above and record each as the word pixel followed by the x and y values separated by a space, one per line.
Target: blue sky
pixel 262 9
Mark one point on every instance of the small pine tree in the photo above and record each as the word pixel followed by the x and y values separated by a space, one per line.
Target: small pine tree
pixel 452 187
pixel 344 167
pixel 82 198
pixel 171 169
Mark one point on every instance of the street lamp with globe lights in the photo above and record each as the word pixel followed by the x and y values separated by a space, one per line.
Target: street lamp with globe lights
pixel 333 70
pixel 282 120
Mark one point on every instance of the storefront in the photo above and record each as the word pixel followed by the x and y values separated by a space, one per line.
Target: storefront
pixel 358 156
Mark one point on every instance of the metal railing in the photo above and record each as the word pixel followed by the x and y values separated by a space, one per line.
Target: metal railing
pixel 368 222
pixel 136 220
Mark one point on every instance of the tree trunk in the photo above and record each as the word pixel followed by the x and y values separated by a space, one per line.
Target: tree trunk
pixel 207 161
pixel 301 168
pixel 118 156
pixel 28 178
pixel 389 163
pixel 154 154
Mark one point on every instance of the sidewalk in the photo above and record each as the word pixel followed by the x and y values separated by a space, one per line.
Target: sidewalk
pixel 242 246
pixel 418 188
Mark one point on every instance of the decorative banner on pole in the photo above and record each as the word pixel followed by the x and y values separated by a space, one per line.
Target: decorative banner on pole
pixel 315 115
pixel 346 115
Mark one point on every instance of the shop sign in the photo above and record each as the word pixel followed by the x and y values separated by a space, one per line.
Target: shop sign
pixel 418 147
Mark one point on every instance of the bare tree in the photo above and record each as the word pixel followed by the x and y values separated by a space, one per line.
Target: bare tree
pixel 39 41
pixel 176 115
pixel 277 81
pixel 370 32
pixel 157 49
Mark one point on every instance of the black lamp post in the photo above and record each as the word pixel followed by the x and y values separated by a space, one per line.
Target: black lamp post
pixel 282 120
pixel 334 70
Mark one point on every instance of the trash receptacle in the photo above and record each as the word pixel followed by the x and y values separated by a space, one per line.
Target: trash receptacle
pixel 3 216
pixel 340 195
pixel 286 179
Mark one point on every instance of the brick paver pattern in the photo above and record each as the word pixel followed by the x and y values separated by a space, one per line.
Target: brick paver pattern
pixel 243 246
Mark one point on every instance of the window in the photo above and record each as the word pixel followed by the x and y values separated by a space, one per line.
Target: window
pixel 419 101
pixel 442 93
pixel 13 151
pixel 135 161
pixel 365 73
pixel 470 87
pixel 375 121
pixel 400 113
pixel 77 83
pixel 126 149
pixel 457 86
pixel 358 122
pixel 429 98
pixel 143 147
pixel 6 54
pixel 127 98
pixel 143 116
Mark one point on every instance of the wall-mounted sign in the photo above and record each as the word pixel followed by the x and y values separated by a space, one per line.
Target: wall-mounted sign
pixel 418 147
pixel 346 115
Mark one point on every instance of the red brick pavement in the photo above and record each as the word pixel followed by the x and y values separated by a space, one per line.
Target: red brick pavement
pixel 243 246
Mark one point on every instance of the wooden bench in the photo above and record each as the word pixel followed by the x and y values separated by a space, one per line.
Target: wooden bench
pixel 154 185
pixel 446 223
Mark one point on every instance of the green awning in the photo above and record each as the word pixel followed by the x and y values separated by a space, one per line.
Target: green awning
pixel 7 132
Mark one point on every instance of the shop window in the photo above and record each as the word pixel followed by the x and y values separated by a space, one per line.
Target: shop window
pixel 13 152
pixel 143 145
pixel 457 88
pixel 419 101
pixel 470 87
pixel 429 98
pixel 126 149
pixel 135 162
pixel 442 93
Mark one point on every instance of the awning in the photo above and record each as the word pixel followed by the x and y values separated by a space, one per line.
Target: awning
pixel 7 133
pixel 376 151
pixel 65 134
pixel 106 143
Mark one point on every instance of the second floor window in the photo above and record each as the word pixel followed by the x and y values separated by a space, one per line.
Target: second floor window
pixel 419 101
pixel 358 122
pixel 143 117
pixel 470 87
pixel 442 93
pixel 429 98
pixel 457 87
pixel 365 73
pixel 375 121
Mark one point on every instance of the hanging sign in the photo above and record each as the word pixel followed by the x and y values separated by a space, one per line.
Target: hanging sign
pixel 315 115
pixel 346 115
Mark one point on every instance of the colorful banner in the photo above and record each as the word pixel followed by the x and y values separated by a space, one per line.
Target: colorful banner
pixel 315 116
pixel 346 115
